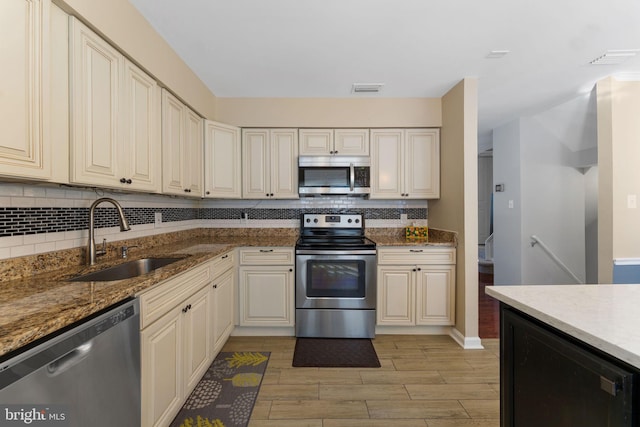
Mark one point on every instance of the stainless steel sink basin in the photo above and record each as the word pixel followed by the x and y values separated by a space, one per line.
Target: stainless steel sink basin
pixel 126 270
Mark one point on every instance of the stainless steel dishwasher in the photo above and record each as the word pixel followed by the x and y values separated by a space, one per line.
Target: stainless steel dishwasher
pixel 88 375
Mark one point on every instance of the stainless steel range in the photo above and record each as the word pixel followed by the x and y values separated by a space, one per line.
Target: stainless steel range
pixel 335 278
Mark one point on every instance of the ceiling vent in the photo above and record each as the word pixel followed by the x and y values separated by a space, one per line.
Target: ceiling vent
pixel 366 87
pixel 497 54
pixel 615 57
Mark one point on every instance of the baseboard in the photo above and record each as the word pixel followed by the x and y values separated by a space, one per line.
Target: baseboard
pixel 468 343
pixel 258 331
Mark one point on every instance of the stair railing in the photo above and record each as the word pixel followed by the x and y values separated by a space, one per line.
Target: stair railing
pixel 536 240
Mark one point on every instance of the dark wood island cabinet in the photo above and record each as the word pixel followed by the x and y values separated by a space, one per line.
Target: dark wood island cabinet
pixel 557 372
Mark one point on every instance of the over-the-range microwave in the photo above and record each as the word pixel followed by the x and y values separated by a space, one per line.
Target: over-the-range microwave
pixel 334 175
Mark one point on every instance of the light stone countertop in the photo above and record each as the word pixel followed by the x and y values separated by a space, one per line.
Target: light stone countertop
pixel 603 316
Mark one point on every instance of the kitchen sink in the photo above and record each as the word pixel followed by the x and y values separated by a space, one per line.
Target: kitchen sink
pixel 126 270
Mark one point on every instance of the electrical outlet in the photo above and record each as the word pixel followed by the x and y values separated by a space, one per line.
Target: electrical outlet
pixel 403 217
pixel 244 216
pixel 158 218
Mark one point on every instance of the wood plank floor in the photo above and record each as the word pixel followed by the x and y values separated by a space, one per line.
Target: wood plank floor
pixel 426 381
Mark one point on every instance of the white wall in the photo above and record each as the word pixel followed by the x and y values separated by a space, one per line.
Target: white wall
pixel 507 221
pixel 541 160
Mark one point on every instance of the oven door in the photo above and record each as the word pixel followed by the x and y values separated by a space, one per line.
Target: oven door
pixel 332 279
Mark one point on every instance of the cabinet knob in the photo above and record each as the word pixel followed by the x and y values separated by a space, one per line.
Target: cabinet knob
pixel 271 195
pixel 207 193
pixel 187 190
pixel 291 270
pixel 414 269
pixel 225 256
pixel 335 152
pixel 419 269
pixel 129 181
pixel 215 286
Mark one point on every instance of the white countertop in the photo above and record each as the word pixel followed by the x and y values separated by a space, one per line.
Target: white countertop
pixel 605 316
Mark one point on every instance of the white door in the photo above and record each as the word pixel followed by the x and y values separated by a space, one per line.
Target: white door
pixel 395 296
pixel 422 164
pixel 173 144
pixel 266 296
pixel 223 161
pixel 284 164
pixel 256 160
pixel 435 297
pixel 387 173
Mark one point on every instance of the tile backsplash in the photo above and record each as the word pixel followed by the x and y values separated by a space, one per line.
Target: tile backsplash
pixel 36 219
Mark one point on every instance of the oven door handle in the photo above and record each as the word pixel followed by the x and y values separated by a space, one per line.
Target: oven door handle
pixel 352 177
pixel 335 252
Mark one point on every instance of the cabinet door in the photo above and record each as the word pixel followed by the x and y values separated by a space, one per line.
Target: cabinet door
pixel 162 363
pixel 351 142
pixel 422 164
pixel 141 139
pixel 222 161
pixel 24 88
pixel 256 161
pixel 194 146
pixel 387 164
pixel 95 108
pixel 284 164
pixel 316 142
pixel 197 336
pixel 173 145
pixel 222 310
pixel 266 296
pixel 396 292
pixel 435 295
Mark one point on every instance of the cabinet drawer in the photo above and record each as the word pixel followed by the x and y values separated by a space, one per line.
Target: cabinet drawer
pixel 222 263
pixel 163 297
pixel 266 256
pixel 416 255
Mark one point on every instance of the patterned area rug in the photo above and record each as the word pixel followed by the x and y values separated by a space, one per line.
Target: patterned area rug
pixel 335 353
pixel 225 396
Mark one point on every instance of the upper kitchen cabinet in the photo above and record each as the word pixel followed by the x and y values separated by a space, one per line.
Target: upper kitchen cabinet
pixel 405 163
pixel 222 161
pixel 33 90
pixel 182 148
pixel 115 133
pixel 330 142
pixel 270 163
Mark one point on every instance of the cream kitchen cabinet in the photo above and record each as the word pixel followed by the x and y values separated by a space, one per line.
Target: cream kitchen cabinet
pixel 270 163
pixel 416 286
pixel 222 161
pixel 182 148
pixel 328 142
pixel 405 163
pixel 175 342
pixel 115 131
pixel 266 286
pixel 34 91
pixel 222 300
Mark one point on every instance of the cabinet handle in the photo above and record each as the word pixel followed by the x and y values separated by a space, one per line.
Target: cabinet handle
pixel 187 308
pixel 123 180
pixel 416 250
pixel 225 256
pixel 266 250
pixel 215 286
pixel 187 190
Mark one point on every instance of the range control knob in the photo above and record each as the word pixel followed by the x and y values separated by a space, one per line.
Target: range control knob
pixel 308 219
pixel 357 221
pixel 315 220
pixel 349 220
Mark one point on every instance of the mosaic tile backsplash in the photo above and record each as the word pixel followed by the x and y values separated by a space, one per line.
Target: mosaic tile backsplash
pixel 23 221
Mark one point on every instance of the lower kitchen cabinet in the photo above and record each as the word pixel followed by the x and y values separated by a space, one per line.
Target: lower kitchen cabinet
pixel 222 302
pixel 416 286
pixel 266 287
pixel 175 341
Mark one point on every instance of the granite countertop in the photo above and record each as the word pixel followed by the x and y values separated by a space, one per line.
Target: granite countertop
pixel 37 298
pixel 603 316
pixel 36 306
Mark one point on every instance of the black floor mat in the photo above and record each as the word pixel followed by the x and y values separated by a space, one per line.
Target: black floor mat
pixel 335 353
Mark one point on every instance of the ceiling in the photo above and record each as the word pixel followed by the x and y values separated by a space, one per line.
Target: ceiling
pixel 417 48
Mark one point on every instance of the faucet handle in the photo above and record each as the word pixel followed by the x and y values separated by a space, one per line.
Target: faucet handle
pixel 102 251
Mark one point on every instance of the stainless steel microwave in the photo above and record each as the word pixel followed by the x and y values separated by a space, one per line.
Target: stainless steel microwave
pixel 337 175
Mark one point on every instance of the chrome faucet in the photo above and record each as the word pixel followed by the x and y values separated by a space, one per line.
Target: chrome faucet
pixel 92 253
